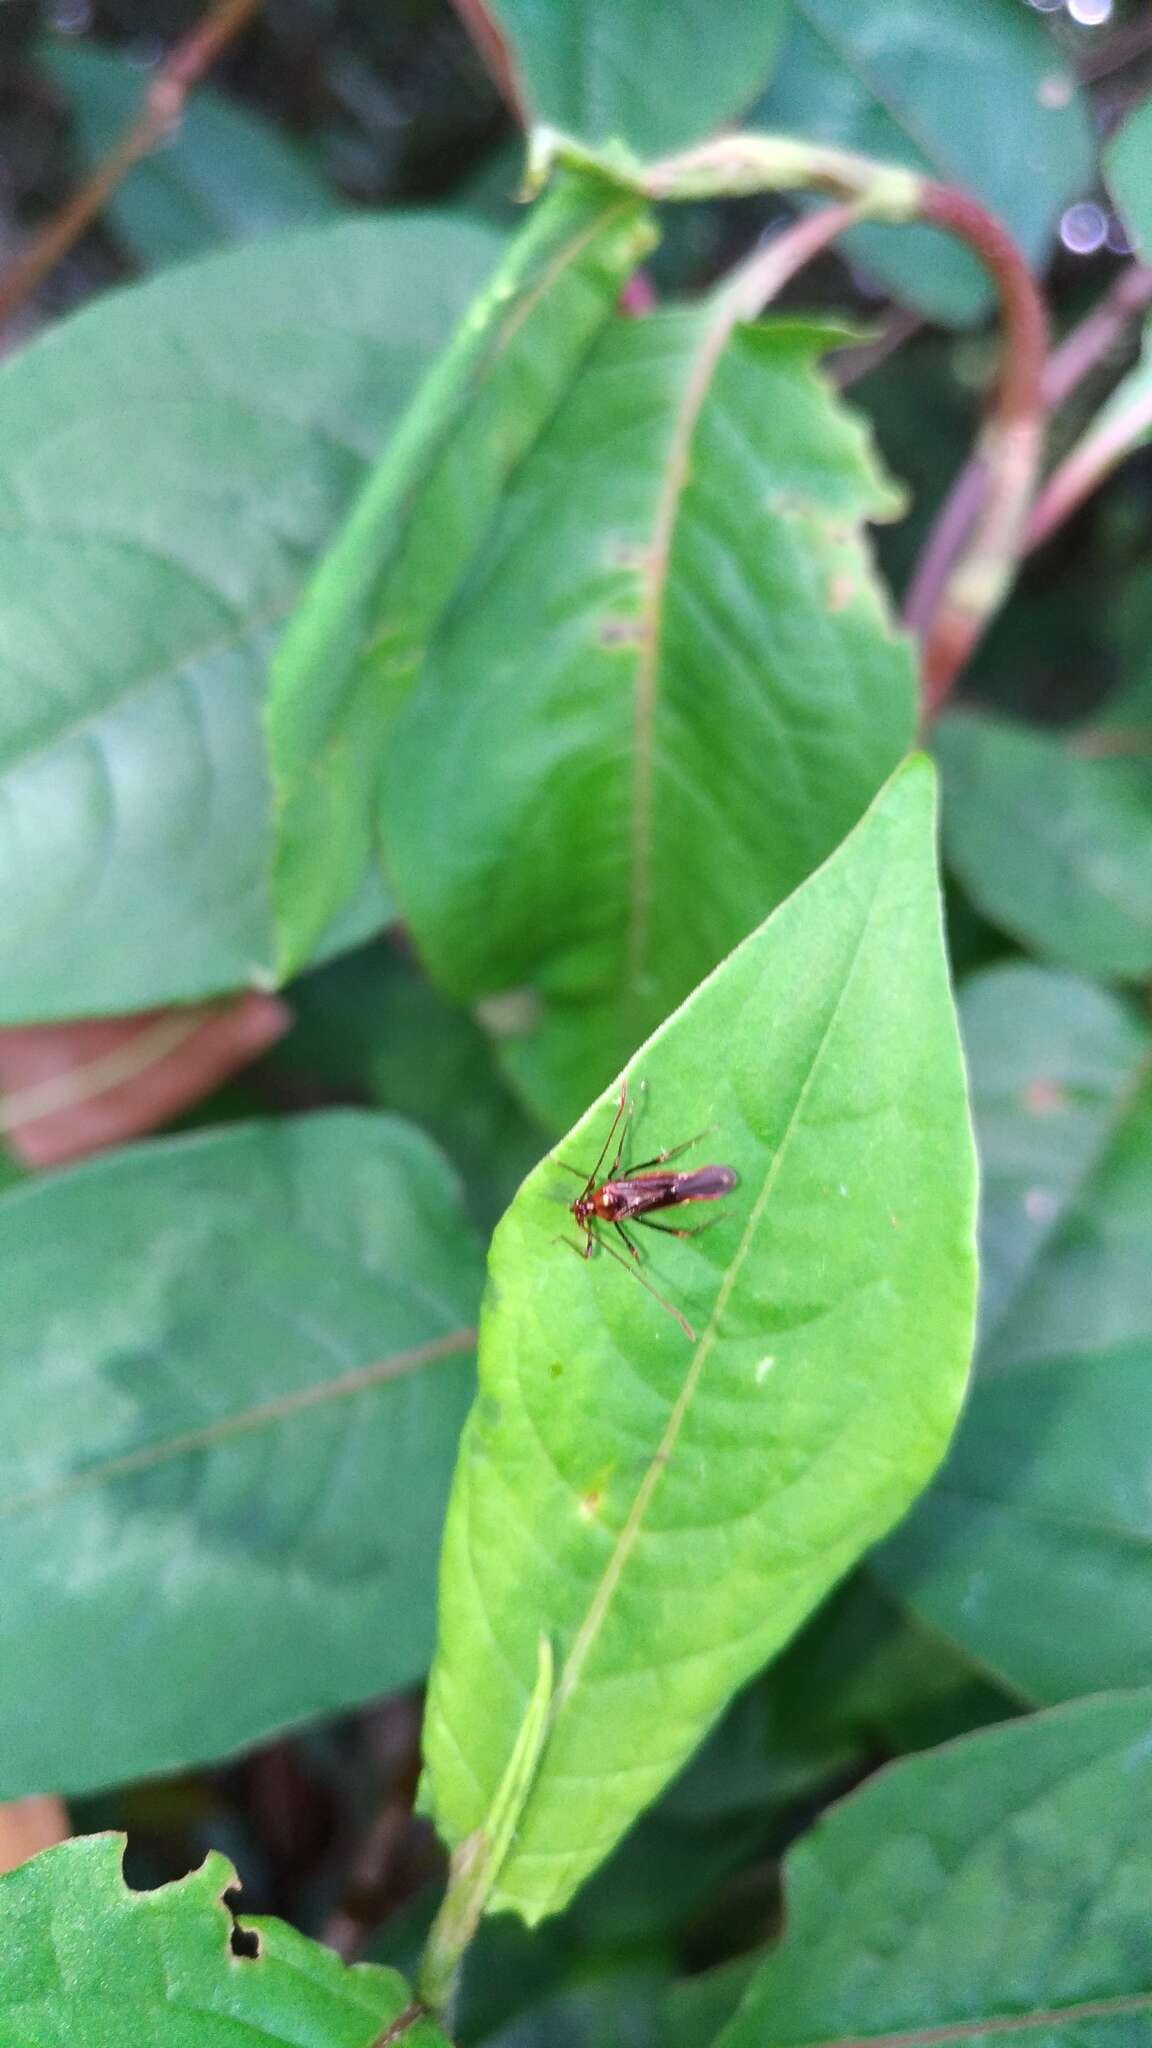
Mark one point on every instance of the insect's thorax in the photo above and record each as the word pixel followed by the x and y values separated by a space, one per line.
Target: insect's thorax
pixel 605 1202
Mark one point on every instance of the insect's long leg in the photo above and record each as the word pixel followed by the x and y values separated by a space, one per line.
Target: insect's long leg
pixel 633 1248
pixel 612 1252
pixel 672 1152
pixel 676 1230
pixel 582 1251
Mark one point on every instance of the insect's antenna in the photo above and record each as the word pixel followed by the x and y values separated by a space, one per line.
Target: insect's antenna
pixel 685 1325
pixel 594 1176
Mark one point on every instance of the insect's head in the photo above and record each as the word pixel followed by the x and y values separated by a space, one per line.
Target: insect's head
pixel 600 1204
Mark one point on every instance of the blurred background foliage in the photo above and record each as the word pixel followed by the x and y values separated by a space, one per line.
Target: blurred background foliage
pixel 328 105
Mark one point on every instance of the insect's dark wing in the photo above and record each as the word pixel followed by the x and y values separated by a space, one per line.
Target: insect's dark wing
pixel 706 1184
pixel 644 1191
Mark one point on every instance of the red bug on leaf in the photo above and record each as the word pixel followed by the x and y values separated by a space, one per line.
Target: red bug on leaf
pixel 631 1197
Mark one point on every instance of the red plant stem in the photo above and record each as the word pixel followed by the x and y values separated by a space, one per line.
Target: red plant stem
pixel 409 2018
pixel 1098 334
pixel 1102 449
pixel 971 554
pixel 765 273
pixel 493 46
pixel 848 365
pixel 1067 366
pixel 158 115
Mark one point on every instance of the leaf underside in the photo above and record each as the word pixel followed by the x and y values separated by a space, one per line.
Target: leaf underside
pixel 1031 1550
pixel 172 460
pixel 670 688
pixel 226 1441
pixel 942 1903
pixel 356 643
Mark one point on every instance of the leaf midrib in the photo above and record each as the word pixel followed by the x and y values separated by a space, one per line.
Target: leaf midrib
pixel 99 1076
pixel 360 1380
pixel 727 313
pixel 1026 1511
pixel 601 1601
pixel 190 659
pixel 994 2023
pixel 652 610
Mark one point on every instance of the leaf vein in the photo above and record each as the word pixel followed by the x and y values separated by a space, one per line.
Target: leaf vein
pixel 359 1381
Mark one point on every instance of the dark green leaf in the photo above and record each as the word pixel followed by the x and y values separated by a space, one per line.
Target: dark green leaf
pixel 223 176
pixel 996 1886
pixel 672 691
pixel 618 2006
pixel 371 1026
pixel 233 1368
pixel 862 1682
pixel 667 1511
pixel 696 2009
pixel 354 647
pixel 90 1964
pixel 656 78
pixel 170 462
pixel 1031 1551
pixel 1053 845
pixel 975 95
pixel 1128 166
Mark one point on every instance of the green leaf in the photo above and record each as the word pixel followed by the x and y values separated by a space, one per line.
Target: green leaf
pixel 91 1964
pixel 699 2006
pixel 655 78
pixel 1128 169
pixel 171 461
pixel 863 1681
pixel 1053 845
pixel 358 639
pixel 225 174
pixel 667 1510
pixel 996 1886
pixel 1031 1551
pixel 618 2005
pixel 978 96
pixel 369 1027
pixel 673 689
pixel 233 1370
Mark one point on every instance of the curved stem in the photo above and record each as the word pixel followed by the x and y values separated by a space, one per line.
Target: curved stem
pixel 1101 450
pixel 1076 357
pixel 972 553
pixel 477 1861
pixel 158 115
pixel 496 52
pixel 1097 334
pixel 758 280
